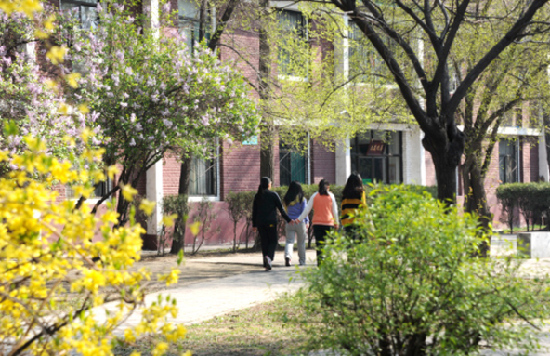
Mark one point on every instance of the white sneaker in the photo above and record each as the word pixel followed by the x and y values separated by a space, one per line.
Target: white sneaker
pixel 267 263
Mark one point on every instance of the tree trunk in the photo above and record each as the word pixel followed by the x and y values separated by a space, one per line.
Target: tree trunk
pixel 446 149
pixel 445 171
pixel 202 20
pixel 178 239
pixel 547 138
pixel 476 198
pixel 416 345
pixel 267 159
pixel 264 68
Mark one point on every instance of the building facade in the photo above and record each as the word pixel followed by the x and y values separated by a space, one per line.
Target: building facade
pixel 384 153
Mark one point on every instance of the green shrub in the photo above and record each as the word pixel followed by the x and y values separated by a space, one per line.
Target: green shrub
pixel 237 207
pixel 175 205
pixel 203 216
pixel 411 287
pixel 532 200
pixel 507 195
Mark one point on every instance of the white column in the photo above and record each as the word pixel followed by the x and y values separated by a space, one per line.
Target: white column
pixel 155 179
pixel 151 9
pixel 341 51
pixel 29 50
pixel 414 161
pixel 155 192
pixel 342 157
pixel 543 159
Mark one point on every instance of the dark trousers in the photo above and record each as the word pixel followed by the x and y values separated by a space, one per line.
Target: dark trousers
pixel 320 232
pixel 268 237
pixel 352 231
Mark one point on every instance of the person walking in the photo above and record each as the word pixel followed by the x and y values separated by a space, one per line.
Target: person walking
pixel 264 219
pixel 295 203
pixel 353 198
pixel 325 215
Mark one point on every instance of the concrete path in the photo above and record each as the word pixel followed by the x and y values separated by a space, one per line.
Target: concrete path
pixel 201 301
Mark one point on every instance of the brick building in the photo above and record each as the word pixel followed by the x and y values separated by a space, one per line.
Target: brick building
pixel 390 153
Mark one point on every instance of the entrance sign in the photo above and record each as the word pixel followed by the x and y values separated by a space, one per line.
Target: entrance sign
pixel 376 147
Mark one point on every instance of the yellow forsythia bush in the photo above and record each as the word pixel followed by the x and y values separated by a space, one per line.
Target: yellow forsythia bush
pixel 49 285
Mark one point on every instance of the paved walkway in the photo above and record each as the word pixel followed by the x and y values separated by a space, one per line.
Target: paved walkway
pixel 201 301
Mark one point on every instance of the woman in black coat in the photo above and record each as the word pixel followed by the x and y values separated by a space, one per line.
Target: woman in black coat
pixel 264 219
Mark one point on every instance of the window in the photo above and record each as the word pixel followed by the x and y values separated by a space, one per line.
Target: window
pixel 364 62
pixel 84 11
pixel 512 117
pixel 189 22
pixel 294 38
pixel 377 155
pixel 508 155
pixel 102 189
pixel 293 165
pixel 536 113
pixel 203 178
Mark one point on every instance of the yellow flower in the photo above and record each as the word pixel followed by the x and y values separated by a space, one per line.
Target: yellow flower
pixel 50 83
pixel 83 108
pixel 48 24
pixel 56 54
pixel 35 144
pixel 40 34
pixel 72 79
pixel 195 227
pixel 181 331
pixel 110 217
pixel 147 206
pixel 169 220
pixel 64 109
pixel 129 336
pixel 29 7
pixel 170 278
pixel 128 192
pixel 86 134
pixel 112 171
pixel 160 349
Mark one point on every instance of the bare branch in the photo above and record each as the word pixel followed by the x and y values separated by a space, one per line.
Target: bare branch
pixel 496 50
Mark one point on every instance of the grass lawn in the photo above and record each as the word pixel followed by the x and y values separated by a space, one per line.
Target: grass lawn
pixel 271 328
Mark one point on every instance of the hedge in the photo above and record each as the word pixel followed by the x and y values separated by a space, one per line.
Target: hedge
pixel 532 200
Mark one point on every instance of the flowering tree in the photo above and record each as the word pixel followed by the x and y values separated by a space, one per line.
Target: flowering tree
pixel 149 94
pixel 46 245
pixel 36 311
pixel 29 98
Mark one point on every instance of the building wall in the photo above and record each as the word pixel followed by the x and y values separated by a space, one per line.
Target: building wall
pixel 534 161
pixel 322 164
pixel 430 169
pixel 240 168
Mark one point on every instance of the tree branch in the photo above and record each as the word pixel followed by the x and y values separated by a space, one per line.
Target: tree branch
pixel 494 52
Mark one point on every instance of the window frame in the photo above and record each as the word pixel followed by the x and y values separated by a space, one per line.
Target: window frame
pixel 284 152
pixel 217 180
pixel 303 33
pixel 191 25
pixel 387 156
pixel 516 152
pixel 80 4
pixel 370 59
pixel 108 182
